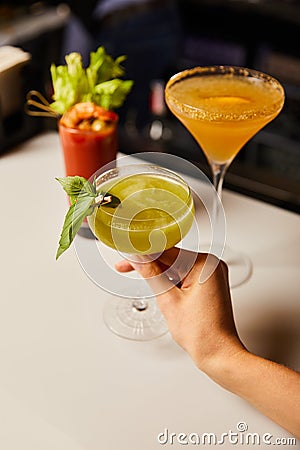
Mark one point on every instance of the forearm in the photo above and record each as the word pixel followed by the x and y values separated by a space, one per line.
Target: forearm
pixel 270 387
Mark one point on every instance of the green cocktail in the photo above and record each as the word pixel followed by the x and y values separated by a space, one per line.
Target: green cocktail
pixel 155 213
pixel 136 209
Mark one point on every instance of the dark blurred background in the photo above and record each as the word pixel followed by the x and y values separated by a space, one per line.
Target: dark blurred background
pixel 160 38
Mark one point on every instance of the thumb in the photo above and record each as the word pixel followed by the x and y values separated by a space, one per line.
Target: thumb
pixel 159 282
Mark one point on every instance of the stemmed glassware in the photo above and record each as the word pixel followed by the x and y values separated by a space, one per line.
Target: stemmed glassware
pixel 223 107
pixel 154 213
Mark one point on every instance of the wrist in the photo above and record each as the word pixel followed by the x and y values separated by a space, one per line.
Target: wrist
pixel 224 365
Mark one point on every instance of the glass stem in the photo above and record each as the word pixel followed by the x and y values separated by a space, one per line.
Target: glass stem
pixel 140 305
pixel 218 171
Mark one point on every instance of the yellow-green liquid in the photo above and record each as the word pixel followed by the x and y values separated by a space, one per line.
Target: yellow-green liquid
pixel 155 214
pixel 224 112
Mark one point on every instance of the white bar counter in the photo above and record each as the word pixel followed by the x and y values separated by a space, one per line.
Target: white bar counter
pixel 68 383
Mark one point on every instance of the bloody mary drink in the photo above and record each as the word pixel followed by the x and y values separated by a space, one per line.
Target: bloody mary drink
pixel 88 135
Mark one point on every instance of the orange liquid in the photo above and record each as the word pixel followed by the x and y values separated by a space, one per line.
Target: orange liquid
pixel 224 112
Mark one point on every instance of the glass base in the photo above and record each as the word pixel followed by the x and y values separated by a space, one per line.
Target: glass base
pixel 86 232
pixel 138 320
pixel 239 266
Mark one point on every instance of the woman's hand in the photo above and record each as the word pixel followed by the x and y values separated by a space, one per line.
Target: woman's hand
pixel 199 315
pixel 200 319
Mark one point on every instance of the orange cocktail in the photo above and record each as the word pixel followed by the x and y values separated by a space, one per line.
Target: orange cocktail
pixel 223 107
pixel 224 111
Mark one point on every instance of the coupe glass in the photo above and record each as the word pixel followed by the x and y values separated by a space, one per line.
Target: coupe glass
pixel 223 107
pixel 156 211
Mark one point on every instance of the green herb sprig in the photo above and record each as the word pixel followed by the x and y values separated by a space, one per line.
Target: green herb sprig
pixel 84 198
pixel 99 83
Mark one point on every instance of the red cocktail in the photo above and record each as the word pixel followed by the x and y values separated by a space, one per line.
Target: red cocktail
pixel 88 135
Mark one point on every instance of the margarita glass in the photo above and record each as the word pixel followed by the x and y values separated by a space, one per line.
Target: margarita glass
pixel 155 212
pixel 223 107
